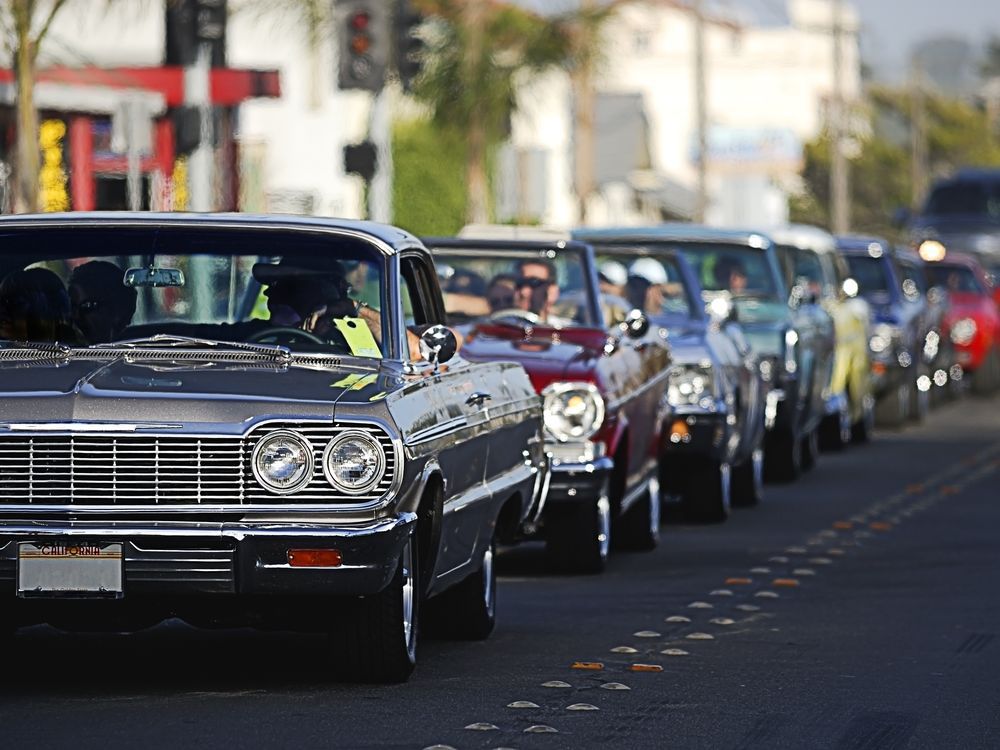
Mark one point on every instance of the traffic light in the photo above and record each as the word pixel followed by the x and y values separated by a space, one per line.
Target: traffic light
pixel 191 23
pixel 409 46
pixel 361 159
pixel 364 44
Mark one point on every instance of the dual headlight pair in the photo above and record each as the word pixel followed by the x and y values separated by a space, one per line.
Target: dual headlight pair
pixel 691 385
pixel 284 462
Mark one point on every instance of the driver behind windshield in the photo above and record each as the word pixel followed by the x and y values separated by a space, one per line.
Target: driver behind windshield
pixel 730 274
pixel 536 290
pixel 102 306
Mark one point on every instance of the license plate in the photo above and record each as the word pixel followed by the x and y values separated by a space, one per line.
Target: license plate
pixel 69 569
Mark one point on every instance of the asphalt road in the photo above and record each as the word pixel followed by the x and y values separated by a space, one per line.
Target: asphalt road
pixel 854 609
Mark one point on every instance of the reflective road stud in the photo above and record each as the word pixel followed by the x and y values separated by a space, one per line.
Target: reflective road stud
pixel 591 665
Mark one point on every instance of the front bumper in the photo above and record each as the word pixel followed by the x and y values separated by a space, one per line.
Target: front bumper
pixel 239 558
pixel 698 432
pixel 579 473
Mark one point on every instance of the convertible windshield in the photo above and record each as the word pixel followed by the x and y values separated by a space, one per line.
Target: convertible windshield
pixel 651 283
pixel 740 270
pixel 533 286
pixel 306 301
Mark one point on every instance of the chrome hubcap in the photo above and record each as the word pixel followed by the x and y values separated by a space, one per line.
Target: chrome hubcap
pixel 654 507
pixel 409 631
pixel 488 579
pixel 603 526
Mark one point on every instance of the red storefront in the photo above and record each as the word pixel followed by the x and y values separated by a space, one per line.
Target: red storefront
pixel 96 173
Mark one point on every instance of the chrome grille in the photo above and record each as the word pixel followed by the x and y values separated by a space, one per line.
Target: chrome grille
pixel 154 470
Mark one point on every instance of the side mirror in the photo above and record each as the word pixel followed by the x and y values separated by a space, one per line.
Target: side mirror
pixel 850 288
pixel 635 325
pixel 438 344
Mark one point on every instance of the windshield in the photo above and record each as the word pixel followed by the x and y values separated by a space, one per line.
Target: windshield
pixel 740 270
pixel 651 283
pixel 953 278
pixel 540 286
pixel 973 197
pixel 872 277
pixel 306 302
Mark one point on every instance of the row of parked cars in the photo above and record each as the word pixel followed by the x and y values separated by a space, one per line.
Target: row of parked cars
pixel 330 425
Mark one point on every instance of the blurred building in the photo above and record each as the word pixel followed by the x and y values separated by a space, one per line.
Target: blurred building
pixel 280 123
pixel 768 91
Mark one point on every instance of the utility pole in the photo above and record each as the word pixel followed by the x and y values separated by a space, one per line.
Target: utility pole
pixel 840 209
pixel 918 135
pixel 701 111
pixel 583 91
pixel 202 160
pixel 380 133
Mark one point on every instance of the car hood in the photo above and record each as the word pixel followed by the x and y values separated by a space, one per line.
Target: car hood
pixel 202 392
pixel 546 354
pixel 687 341
pixel 766 339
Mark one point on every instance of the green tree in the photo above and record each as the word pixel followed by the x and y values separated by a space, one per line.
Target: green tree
pixel 958 135
pixel 479 52
pixel 429 196
pixel 25 24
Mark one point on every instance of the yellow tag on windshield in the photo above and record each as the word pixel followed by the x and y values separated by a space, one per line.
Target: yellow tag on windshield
pixel 358 336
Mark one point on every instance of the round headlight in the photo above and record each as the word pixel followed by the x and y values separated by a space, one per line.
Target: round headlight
pixel 354 462
pixel 573 411
pixel 283 462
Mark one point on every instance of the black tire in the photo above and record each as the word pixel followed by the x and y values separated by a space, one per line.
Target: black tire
pixel 639 528
pixel 835 430
pixel 863 430
pixel 782 457
pixel 747 481
pixel 891 410
pixel 707 492
pixel 466 611
pixel 810 450
pixel 578 535
pixel 374 638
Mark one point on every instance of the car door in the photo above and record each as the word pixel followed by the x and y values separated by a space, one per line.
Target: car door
pixel 823 312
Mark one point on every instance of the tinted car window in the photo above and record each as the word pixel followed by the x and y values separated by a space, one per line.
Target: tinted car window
pixel 872 277
pixel 953 278
pixel 969 197
pixel 720 268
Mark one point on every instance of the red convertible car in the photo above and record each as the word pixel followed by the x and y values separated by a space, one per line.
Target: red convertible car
pixel 537 302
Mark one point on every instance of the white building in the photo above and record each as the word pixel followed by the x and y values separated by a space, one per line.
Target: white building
pixel 767 93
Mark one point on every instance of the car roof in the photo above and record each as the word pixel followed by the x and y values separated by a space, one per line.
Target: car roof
pixel 493 244
pixel 804 236
pixel 513 232
pixel 387 237
pixel 674 232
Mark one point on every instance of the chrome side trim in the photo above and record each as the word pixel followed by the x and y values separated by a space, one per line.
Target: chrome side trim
pixel 437 431
pixel 99 427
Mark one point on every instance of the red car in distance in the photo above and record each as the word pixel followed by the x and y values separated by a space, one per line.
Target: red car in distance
pixel 972 319
pixel 606 413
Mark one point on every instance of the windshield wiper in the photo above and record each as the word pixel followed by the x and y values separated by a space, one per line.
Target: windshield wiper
pixel 170 341
pixel 33 350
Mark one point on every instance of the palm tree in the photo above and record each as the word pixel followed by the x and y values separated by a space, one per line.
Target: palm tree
pixel 25 24
pixel 479 52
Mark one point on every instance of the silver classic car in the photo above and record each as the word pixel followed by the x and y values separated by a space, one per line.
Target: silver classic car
pixel 250 420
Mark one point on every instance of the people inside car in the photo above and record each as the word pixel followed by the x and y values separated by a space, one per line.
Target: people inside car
pixel 35 306
pixel 612 278
pixel 536 290
pixel 102 306
pixel 644 288
pixel 730 274
pixel 501 292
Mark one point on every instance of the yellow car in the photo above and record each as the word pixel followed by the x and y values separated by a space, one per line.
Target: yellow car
pixel 819 276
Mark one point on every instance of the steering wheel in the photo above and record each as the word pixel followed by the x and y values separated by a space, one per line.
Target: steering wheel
pixel 519 314
pixel 284 335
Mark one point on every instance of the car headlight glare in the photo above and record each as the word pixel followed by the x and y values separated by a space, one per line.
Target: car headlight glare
pixel 573 411
pixel 354 462
pixel 884 339
pixel 791 344
pixel 283 462
pixel 963 331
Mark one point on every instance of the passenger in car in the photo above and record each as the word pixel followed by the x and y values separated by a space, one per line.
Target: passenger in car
pixel 730 274
pixel 34 306
pixel 102 306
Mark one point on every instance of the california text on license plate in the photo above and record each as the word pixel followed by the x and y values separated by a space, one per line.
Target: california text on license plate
pixel 69 569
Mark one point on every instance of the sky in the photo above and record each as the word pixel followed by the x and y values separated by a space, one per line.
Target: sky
pixel 889 27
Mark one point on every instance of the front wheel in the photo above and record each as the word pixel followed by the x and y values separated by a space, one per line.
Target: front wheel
pixel 707 492
pixel 374 638
pixel 782 457
pixel 578 536
pixel 640 526
pixel 747 482
pixel 835 429
pixel 468 610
